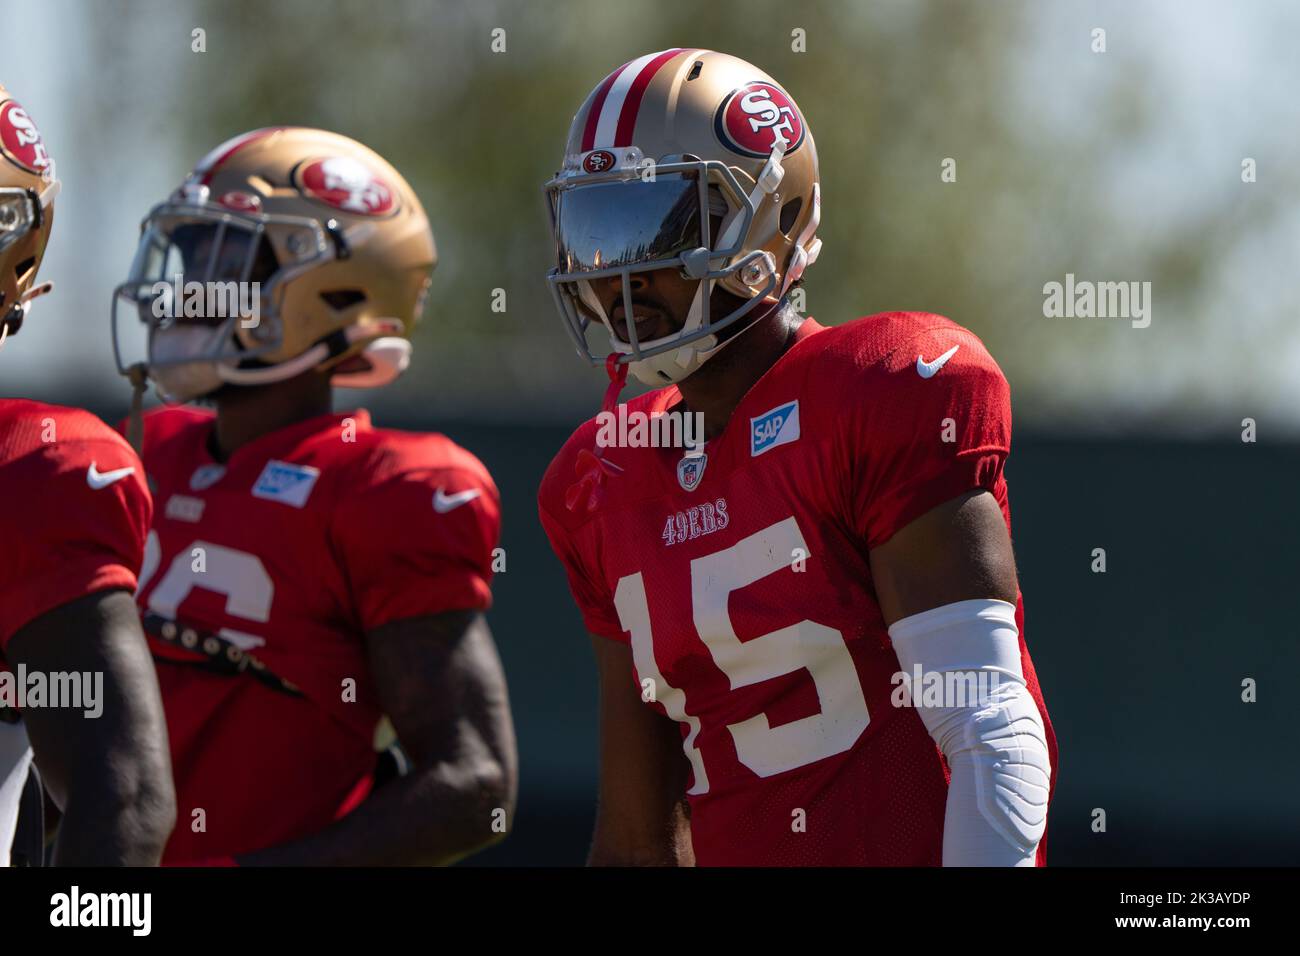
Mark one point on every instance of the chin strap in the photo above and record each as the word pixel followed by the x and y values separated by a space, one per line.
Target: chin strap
pixel 807 247
pixel 138 375
pixel 591 467
pixel 617 379
pixel 332 346
pixel 19 311
pixel 35 292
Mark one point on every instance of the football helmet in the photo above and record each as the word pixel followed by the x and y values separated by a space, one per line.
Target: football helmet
pixel 319 253
pixel 27 191
pixel 662 146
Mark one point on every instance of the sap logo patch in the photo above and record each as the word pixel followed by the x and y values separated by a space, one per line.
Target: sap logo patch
pixel 286 483
pixel 780 426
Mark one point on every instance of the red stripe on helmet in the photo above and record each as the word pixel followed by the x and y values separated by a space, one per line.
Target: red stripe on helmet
pixel 635 93
pixel 597 104
pixel 210 166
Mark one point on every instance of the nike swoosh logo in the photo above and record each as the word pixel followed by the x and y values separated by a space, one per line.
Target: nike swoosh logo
pixel 443 502
pixel 927 369
pixel 97 479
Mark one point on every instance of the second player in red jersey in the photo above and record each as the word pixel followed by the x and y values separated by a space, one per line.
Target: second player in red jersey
pixel 309 575
pixel 280 559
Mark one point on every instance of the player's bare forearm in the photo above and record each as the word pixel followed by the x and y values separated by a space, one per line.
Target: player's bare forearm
pixel 642 817
pixel 432 816
pixel 440 682
pixel 110 775
pixel 671 846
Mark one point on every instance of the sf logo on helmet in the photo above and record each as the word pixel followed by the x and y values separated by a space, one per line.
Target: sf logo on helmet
pixel 599 161
pixel 763 113
pixel 754 117
pixel 21 139
pixel 347 184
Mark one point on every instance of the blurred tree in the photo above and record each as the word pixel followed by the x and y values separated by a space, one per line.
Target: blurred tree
pixel 1051 142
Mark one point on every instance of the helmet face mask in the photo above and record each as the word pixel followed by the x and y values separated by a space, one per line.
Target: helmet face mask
pixel 225 253
pixel 704 136
pixel 617 223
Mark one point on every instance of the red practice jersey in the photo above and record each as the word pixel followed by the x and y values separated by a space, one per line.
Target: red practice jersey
pixel 74 510
pixel 748 599
pixel 263 578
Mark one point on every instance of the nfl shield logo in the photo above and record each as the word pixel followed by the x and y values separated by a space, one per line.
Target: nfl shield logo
pixel 690 470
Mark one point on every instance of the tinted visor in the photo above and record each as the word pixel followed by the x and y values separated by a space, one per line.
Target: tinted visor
pixel 201 250
pixel 625 222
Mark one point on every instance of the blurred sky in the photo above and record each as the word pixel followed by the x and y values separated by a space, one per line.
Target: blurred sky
pixel 1122 166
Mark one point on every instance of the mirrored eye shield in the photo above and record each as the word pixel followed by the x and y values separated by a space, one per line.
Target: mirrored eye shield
pixel 705 173
pixel 698 263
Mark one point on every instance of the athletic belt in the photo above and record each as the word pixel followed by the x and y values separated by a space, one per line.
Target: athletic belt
pixel 221 654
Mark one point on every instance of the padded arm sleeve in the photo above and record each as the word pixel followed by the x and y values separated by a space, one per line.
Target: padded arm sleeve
pixel 994 739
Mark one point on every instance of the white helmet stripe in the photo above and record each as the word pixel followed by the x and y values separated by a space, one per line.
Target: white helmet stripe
pixel 613 105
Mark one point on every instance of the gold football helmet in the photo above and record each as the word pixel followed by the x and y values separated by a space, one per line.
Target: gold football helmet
pixel 663 148
pixel 27 192
pixel 286 249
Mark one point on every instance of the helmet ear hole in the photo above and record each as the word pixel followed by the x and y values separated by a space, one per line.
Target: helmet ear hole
pixel 342 299
pixel 790 214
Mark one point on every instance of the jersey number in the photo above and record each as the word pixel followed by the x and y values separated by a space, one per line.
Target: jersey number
pixel 807 645
pixel 240 576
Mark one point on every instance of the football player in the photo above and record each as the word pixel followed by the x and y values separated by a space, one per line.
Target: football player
pixel 308 573
pixel 76 511
pixel 757 604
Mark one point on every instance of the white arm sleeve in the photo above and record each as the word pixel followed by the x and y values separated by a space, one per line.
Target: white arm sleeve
pixel 15 757
pixel 994 742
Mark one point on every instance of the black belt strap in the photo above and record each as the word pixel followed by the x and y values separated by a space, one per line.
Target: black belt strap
pixel 222 655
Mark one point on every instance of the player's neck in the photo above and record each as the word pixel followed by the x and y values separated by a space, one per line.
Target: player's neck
pixel 717 387
pixel 246 414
